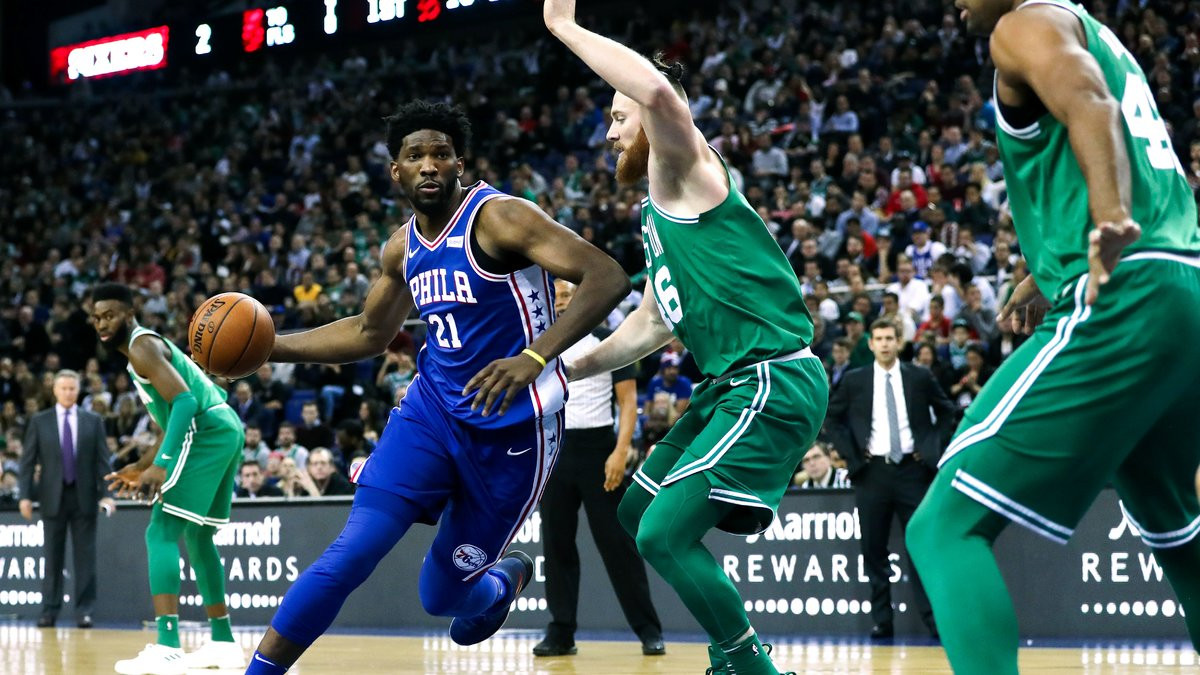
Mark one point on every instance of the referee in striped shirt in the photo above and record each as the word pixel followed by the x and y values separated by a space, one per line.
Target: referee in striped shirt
pixel 591 472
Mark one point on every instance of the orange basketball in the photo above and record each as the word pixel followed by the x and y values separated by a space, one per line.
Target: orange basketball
pixel 231 335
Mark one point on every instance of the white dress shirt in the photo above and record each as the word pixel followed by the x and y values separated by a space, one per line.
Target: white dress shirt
pixel 880 443
pixel 73 413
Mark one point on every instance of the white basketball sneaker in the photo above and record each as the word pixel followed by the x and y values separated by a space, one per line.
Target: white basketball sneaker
pixel 155 659
pixel 227 655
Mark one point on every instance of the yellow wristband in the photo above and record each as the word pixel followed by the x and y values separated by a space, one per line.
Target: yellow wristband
pixel 535 356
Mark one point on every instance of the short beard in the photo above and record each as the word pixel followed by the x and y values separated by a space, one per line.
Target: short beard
pixel 433 207
pixel 634 163
pixel 120 337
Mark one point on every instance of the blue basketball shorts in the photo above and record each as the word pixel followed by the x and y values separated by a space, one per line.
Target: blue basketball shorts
pixel 481 483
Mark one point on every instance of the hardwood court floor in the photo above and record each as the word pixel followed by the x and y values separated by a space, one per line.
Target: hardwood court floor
pixel 27 650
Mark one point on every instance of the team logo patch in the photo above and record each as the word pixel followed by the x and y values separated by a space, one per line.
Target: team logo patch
pixel 469 558
pixel 356 468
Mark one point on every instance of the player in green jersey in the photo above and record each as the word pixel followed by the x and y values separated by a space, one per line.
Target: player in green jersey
pixel 1098 394
pixel 718 281
pixel 189 479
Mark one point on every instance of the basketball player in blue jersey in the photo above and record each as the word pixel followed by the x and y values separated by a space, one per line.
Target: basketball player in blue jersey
pixel 476 436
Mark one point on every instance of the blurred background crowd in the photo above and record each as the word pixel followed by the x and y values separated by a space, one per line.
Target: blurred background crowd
pixel 862 132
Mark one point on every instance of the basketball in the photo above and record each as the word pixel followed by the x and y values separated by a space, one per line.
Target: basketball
pixel 231 335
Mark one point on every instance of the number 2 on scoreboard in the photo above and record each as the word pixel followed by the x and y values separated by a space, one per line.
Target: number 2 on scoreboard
pixel 203 35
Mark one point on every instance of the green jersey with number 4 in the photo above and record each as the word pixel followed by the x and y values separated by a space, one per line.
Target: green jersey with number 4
pixel 207 393
pixel 1046 188
pixel 723 286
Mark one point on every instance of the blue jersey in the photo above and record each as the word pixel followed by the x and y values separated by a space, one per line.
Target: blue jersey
pixel 475 317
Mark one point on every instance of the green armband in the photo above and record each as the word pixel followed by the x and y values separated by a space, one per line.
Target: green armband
pixel 183 411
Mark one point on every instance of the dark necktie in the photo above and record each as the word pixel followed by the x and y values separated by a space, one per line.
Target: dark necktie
pixel 68 449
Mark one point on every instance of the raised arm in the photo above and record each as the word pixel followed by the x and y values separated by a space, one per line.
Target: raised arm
pixel 642 332
pixel 365 334
pixel 676 142
pixel 514 229
pixel 1041 49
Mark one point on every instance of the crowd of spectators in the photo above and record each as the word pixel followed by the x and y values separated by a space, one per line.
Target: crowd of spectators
pixel 862 132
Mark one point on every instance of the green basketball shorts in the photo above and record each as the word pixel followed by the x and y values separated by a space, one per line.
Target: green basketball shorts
pixel 200 480
pixel 746 433
pixel 1098 395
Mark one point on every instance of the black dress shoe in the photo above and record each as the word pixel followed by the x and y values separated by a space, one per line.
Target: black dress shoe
pixel 549 647
pixel 883 631
pixel 653 646
pixel 85 621
pixel 46 621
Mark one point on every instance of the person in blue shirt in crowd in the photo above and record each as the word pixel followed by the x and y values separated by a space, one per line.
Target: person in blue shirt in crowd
pixel 670 381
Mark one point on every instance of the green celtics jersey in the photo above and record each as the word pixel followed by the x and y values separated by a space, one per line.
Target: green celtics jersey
pixel 207 393
pixel 723 285
pixel 1046 188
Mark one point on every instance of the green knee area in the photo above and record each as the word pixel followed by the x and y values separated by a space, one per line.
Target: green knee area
pixel 669 538
pixel 950 540
pixel 206 560
pixel 162 551
pixel 632 508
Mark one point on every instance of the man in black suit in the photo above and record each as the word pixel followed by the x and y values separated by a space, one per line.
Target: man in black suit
pixel 252 484
pixel 882 420
pixel 246 403
pixel 70 445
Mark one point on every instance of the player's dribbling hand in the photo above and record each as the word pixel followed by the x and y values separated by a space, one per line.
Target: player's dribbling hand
pixel 1028 297
pixel 504 377
pixel 558 12
pixel 151 481
pixel 1105 243
pixel 124 483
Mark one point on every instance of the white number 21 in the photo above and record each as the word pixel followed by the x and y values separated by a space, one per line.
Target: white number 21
pixel 440 326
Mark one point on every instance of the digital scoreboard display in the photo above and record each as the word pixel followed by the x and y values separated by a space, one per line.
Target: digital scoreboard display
pixel 114 55
pixel 222 40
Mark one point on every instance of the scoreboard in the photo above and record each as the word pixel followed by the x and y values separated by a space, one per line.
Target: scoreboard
pixel 223 40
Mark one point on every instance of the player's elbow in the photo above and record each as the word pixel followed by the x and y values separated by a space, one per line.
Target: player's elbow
pixel 616 287
pixel 372 336
pixel 661 96
pixel 621 284
pixel 1093 108
pixel 607 278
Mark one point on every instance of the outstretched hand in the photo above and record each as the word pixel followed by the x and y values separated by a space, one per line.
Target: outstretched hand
pixel 1026 296
pixel 558 12
pixel 504 377
pixel 1105 244
pixel 124 483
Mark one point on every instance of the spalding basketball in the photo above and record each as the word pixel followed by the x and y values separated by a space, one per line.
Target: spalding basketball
pixel 231 335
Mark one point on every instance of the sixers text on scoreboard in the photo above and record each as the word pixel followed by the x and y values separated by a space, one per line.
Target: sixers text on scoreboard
pixel 128 52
